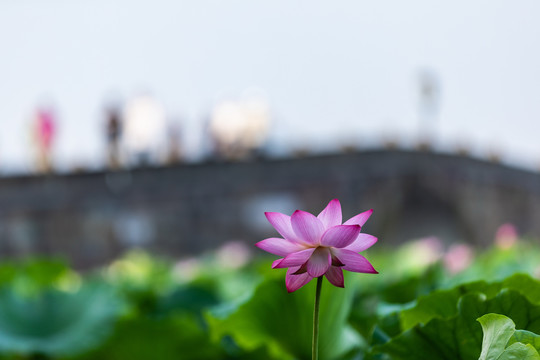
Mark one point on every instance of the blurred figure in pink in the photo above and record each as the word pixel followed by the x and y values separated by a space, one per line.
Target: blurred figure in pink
pixel 44 132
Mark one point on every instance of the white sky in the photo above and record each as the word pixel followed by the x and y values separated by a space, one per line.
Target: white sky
pixel 333 71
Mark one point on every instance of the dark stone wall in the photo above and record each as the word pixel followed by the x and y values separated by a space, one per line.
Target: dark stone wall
pixel 91 218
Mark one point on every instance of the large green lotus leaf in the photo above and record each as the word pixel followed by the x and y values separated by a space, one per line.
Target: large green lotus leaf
pixel 8 272
pixel 498 329
pixel 187 298
pixel 502 341
pixel 55 322
pixel 460 336
pixel 443 303
pixel 525 285
pixel 376 308
pixel 192 298
pixel 520 351
pixel 283 321
pixel 175 337
pixel 405 289
pixel 32 275
pixel 42 271
pixel 525 337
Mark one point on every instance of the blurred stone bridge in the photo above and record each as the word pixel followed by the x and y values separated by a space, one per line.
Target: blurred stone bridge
pixel 91 218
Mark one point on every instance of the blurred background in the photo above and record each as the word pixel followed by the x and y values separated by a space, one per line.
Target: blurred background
pixel 142 141
pixel 173 126
pixel 463 74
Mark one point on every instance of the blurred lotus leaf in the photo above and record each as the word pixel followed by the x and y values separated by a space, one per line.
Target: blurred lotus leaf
pixel 460 336
pixel 188 298
pixel 443 303
pixel 35 274
pixel 160 338
pixel 54 322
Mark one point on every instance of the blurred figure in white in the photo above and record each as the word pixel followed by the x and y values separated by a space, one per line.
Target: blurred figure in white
pixel 144 130
pixel 43 134
pixel 114 132
pixel 239 128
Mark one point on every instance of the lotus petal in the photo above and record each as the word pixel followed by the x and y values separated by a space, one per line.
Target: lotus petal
pixel 295 259
pixel 295 282
pixel 362 242
pixel 282 223
pixel 279 246
pixel 340 236
pixel 335 276
pixel 331 215
pixel 307 227
pixel 319 262
pixel 353 261
pixel 359 219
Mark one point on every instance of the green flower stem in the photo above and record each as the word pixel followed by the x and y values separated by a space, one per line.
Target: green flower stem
pixel 315 342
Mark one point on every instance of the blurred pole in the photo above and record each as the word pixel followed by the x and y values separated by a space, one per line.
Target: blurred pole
pixel 429 105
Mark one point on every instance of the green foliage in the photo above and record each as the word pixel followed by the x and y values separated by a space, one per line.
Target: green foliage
pixel 443 324
pixel 172 337
pixel 282 321
pixel 443 303
pixel 502 341
pixel 31 276
pixel 55 322
pixel 142 307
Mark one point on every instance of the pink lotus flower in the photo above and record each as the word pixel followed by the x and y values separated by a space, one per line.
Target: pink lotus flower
pixel 313 246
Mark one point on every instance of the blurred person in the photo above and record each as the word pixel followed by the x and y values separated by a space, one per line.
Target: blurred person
pixel 225 127
pixel 43 131
pixel 144 130
pixel 114 133
pixel 208 143
pixel 238 129
pixel 174 151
